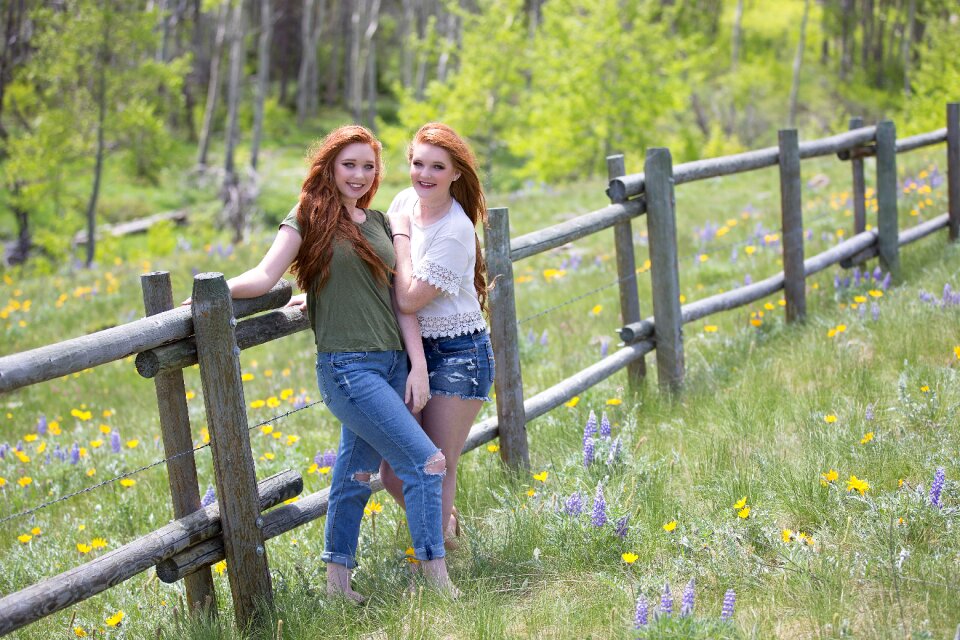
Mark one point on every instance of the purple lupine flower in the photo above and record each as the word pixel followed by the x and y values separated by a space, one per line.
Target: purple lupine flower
pixel 209 497
pixel 729 600
pixel 862 311
pixel 590 429
pixel 604 346
pixel 42 425
pixel 686 602
pixel 599 516
pixel 329 458
pixel 868 414
pixel 318 459
pixel 747 280
pixel 836 281
pixel 733 255
pixel 531 337
pixel 604 425
pixel 115 441
pixel 614 456
pixel 3 450
pixel 846 282
pixel 543 338
pixel 666 600
pixel 574 504
pixel 885 283
pixel 588 451
pixel 623 527
pixel 856 276
pixel 877 273
pixel 947 293
pixel 75 453
pixel 642 615
pixel 300 401
pixel 875 311
pixel 937 486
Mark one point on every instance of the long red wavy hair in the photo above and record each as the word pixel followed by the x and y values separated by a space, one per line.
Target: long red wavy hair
pixel 466 189
pixel 324 219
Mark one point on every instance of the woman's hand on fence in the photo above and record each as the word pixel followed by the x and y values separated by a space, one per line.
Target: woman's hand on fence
pixel 187 302
pixel 418 389
pixel 298 302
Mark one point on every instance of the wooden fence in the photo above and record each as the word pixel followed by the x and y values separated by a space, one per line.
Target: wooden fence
pixel 208 333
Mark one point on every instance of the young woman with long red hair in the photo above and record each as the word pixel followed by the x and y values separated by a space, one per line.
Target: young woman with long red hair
pixel 441 277
pixel 343 257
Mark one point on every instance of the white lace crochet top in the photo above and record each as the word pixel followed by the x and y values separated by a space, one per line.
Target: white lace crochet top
pixel 444 254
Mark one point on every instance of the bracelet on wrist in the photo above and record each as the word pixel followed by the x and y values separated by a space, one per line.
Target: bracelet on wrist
pixel 400 234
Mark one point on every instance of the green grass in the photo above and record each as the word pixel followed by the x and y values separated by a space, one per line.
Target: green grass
pixel 750 423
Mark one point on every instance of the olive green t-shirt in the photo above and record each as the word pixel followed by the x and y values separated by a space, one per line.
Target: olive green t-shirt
pixel 353 311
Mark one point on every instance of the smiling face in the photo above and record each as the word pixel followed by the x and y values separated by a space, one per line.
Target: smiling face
pixel 354 171
pixel 431 171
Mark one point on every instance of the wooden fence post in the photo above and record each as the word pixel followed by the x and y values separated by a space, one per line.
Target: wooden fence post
pixel 627 274
pixel 859 186
pixel 791 215
pixel 888 240
pixel 175 430
pixel 508 381
pixel 664 268
pixel 953 168
pixel 219 358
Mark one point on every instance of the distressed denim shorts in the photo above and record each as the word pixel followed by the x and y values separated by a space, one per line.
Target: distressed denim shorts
pixel 461 366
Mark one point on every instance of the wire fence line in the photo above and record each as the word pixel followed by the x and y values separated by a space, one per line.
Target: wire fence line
pixel 127 474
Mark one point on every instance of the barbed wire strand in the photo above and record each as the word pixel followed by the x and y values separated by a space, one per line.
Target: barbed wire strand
pixel 142 469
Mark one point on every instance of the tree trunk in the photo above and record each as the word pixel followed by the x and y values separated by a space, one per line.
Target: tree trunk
pixel 101 146
pixel 20 250
pixel 846 46
pixel 450 41
pixel 263 78
pixel 908 44
pixel 371 76
pixel 308 58
pixel 193 78
pixel 797 63
pixel 337 34
pixel 235 207
pixel 213 88
pixel 313 83
pixel 867 42
pixel 355 67
pixel 737 22
pixel 14 44
pixel 408 52
pixel 420 81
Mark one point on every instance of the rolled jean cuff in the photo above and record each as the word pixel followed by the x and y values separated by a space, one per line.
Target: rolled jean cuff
pixel 340 558
pixel 434 552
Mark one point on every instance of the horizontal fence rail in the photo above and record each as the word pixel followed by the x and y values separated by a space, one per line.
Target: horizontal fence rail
pixel 87 580
pixel 70 356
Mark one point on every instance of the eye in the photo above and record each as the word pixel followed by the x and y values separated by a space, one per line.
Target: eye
pixel 369 167
pixel 438 167
pixel 417 163
pixel 348 164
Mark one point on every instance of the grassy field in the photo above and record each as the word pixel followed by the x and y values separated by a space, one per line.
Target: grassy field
pixel 794 470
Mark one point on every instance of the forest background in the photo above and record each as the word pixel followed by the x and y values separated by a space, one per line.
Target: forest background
pixel 113 110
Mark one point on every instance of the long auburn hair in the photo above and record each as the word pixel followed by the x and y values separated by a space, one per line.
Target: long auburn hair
pixel 322 216
pixel 466 189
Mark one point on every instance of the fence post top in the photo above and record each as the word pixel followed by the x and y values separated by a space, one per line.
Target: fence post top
pixel 498 211
pixel 209 275
pixel 614 156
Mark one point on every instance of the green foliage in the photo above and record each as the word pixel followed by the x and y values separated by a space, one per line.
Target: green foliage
pixel 936 80
pixel 84 49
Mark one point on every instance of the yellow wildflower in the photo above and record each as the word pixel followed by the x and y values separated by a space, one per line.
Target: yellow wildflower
pixel 83 548
pixel 542 476
pixel 856 484
pixel 572 402
pixel 128 482
pixel 115 619
pixel 787 535
pixel 24 538
pixel 670 526
pixel 710 328
pixel 493 447
pixel 220 567
pixel 744 513
pixel 830 418
pixel 629 557
pixel 867 437
pixel 24 481
pixel 614 402
pixel 741 503
pixel 828 477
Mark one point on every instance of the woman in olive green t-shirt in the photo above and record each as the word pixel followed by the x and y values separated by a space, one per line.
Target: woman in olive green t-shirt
pixel 343 257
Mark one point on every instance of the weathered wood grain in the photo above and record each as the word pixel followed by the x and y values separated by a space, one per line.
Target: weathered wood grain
pixel 953 169
pixel 887 191
pixel 791 217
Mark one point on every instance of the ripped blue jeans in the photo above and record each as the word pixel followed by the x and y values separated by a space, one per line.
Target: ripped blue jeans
pixel 364 390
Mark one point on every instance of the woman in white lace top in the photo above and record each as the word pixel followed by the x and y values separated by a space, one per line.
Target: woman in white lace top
pixel 441 277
